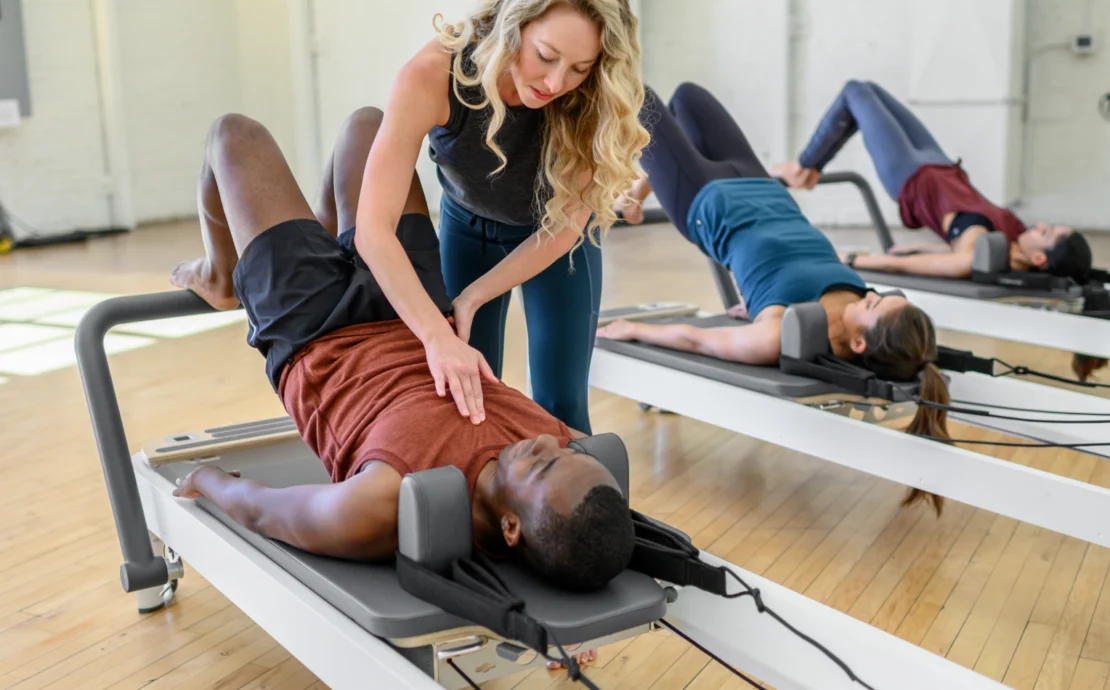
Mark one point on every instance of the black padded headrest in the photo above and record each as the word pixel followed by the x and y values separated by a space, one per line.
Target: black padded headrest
pixel 991 254
pixel 433 514
pixel 609 450
pixel 805 331
pixel 433 517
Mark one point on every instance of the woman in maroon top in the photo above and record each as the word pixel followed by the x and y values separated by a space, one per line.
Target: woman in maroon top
pixel 932 191
pixel 356 380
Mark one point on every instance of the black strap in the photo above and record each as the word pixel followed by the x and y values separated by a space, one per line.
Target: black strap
pixel 850 377
pixel 666 556
pixel 1027 280
pixel 475 592
pixel 472 596
pixel 963 361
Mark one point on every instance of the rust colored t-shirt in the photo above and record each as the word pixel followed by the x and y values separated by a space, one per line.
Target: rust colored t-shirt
pixel 365 393
pixel 934 191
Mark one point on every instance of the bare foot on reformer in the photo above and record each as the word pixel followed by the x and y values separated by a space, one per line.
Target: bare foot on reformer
pixel 197 275
pixel 583 659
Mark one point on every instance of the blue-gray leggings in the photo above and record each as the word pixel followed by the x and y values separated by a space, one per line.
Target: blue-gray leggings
pixel 898 142
pixel 560 308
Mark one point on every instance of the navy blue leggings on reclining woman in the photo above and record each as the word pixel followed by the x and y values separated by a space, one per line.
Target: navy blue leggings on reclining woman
pixel 698 143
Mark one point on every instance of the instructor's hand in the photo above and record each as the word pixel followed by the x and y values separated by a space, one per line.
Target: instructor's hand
pixel 459 368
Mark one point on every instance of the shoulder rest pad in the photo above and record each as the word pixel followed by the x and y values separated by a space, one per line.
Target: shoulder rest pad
pixel 805 331
pixel 991 254
pixel 434 522
pixel 609 450
pixel 433 517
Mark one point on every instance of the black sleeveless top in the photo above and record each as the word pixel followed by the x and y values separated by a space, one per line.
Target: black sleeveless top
pixel 464 162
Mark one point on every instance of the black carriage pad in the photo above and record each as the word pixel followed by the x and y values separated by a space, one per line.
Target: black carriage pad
pixel 371 595
pixel 760 379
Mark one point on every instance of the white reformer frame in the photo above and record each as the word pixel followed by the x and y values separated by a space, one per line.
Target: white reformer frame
pixel 1058 503
pixel 344 655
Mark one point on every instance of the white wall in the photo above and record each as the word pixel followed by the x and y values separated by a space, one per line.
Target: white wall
pixel 184 65
pixel 177 66
pixel 1067 165
pixel 360 52
pixel 754 36
pixel 52 167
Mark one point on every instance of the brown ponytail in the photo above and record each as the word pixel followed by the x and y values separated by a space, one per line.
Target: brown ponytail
pixel 1085 365
pixel 929 421
pixel 898 348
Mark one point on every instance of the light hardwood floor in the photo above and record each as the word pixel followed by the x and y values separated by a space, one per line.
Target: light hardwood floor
pixel 1015 602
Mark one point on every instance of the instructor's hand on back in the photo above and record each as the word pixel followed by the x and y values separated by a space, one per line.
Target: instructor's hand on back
pixel 459 368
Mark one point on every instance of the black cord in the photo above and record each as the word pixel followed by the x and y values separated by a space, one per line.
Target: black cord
pixel 1026 371
pixel 763 608
pixel 452 664
pixel 574 671
pixel 986 413
pixel 719 660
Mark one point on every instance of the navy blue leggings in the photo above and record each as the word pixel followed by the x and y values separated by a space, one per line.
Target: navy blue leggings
pixel 560 308
pixel 693 141
pixel 898 142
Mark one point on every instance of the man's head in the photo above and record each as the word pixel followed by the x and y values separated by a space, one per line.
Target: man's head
pixel 1056 249
pixel 564 512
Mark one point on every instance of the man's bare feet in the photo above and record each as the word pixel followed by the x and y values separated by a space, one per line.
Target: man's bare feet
pixel 197 275
pixel 582 659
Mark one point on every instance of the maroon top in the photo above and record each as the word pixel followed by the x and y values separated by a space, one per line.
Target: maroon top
pixel 934 191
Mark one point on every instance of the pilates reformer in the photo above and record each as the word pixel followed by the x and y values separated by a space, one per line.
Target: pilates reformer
pixel 1032 308
pixel 861 428
pixel 354 624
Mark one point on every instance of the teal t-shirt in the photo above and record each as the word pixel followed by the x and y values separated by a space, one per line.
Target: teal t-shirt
pixel 755 228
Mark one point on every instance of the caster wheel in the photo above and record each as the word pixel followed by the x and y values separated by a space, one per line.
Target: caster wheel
pixel 644 407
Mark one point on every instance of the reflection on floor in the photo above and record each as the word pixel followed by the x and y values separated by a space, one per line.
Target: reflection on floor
pixel 37 327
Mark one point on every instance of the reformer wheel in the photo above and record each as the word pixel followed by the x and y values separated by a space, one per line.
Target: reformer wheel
pixel 645 407
pixel 157 598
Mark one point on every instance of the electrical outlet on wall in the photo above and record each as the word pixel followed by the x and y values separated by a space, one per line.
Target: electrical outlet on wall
pixel 1083 44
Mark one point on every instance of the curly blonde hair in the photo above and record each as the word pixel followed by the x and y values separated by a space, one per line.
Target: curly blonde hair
pixel 594 129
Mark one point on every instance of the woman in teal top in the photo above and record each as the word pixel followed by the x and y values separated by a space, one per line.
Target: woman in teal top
pixel 720 197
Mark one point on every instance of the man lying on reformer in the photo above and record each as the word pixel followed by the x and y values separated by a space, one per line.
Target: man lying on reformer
pixel 356 381
pixel 931 191
pixel 719 196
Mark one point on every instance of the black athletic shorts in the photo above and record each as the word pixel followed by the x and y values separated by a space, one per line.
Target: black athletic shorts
pixel 297 283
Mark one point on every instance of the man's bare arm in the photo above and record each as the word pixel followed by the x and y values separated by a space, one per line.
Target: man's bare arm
pixel 355 519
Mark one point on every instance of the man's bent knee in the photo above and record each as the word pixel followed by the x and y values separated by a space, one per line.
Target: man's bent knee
pixel 233 132
pixel 364 121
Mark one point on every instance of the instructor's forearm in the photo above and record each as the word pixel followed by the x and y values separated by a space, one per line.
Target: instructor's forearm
pixel 528 260
pixel 394 272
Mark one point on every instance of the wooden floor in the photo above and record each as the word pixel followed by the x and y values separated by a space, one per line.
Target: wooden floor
pixel 1014 602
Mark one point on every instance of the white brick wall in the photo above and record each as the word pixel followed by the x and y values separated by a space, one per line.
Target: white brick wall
pixel 52 165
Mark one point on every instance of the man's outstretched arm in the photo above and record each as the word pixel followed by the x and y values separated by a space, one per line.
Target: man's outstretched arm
pixel 355 519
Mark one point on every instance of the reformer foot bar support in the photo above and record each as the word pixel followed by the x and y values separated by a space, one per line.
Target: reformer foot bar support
pixel 825 430
pixel 958 305
pixel 335 643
